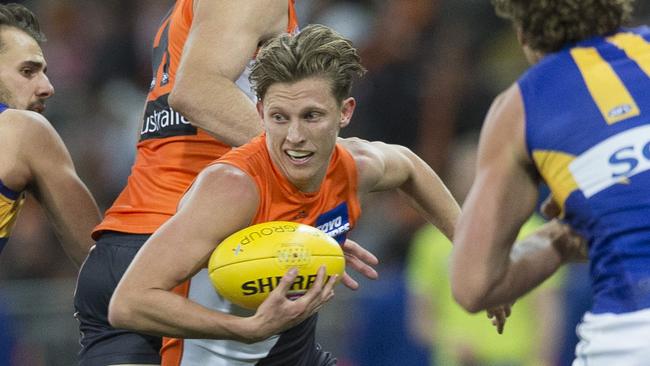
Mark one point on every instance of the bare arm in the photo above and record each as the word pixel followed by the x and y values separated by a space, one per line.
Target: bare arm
pixel 383 167
pixel 143 300
pixel 484 271
pixel 52 179
pixel 223 39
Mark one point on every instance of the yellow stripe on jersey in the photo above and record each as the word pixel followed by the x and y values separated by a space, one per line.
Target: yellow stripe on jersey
pixel 606 88
pixel 8 213
pixel 554 168
pixel 636 48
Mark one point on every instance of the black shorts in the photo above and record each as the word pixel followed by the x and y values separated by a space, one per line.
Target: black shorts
pixel 102 344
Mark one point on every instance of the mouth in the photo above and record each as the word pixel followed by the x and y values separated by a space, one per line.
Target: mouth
pixel 299 156
pixel 39 107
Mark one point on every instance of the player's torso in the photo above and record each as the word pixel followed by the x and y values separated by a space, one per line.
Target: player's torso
pixel 334 209
pixel 588 131
pixel 171 151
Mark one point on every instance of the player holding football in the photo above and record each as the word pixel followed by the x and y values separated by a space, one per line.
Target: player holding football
pixel 299 170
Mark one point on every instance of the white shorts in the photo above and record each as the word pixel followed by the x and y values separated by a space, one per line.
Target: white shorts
pixel 614 339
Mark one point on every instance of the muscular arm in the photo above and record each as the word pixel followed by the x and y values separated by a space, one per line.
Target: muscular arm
pixel 223 39
pixel 383 167
pixel 143 300
pixel 52 179
pixel 484 270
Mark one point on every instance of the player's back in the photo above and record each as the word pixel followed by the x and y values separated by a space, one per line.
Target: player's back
pixel 588 131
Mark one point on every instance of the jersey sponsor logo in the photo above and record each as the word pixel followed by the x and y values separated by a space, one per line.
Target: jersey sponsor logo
pixel 335 222
pixel 161 121
pixel 613 161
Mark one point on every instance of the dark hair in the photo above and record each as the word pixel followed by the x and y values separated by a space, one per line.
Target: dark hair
pixel 18 16
pixel 316 51
pixel 550 25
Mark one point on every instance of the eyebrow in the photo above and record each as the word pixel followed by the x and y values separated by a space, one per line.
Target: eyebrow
pixel 36 65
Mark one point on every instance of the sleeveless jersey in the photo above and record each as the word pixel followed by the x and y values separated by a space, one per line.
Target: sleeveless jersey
pixel 171 151
pixel 334 208
pixel 588 133
pixel 10 204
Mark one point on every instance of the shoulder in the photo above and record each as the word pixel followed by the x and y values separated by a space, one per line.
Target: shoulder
pixel 226 178
pixel 28 132
pixel 21 122
pixel 26 138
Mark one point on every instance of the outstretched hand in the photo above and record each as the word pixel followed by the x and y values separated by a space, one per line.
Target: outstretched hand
pixel 359 259
pixel 278 313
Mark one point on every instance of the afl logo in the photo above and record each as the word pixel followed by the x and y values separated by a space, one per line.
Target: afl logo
pixel 620 110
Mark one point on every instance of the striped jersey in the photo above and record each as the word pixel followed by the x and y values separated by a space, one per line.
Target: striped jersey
pixel 587 113
pixel 171 151
pixel 334 208
pixel 10 204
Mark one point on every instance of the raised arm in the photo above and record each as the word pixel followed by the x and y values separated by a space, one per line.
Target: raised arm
pixel 223 39
pixel 484 271
pixel 52 179
pixel 383 167
pixel 143 300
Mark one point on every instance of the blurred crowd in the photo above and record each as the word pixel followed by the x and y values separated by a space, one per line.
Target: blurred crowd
pixel 434 67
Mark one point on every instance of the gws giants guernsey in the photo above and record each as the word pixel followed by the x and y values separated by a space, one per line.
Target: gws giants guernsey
pixel 334 208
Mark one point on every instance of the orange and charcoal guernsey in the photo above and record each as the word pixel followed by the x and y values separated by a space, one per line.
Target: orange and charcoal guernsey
pixel 334 208
pixel 170 152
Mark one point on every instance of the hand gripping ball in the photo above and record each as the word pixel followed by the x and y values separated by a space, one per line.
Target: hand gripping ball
pixel 248 265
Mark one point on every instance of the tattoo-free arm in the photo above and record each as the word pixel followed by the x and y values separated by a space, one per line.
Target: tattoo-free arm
pixel 68 204
pixel 485 269
pixel 223 39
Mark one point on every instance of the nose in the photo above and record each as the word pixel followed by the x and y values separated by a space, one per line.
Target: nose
pixel 295 134
pixel 45 88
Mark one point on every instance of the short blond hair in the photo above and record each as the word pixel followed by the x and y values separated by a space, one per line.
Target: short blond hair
pixel 315 51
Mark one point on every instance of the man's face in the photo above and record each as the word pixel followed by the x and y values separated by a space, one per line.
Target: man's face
pixel 23 83
pixel 302 122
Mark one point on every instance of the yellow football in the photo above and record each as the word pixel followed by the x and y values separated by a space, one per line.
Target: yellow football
pixel 249 264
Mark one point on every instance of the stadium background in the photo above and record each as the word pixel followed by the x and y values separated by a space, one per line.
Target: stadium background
pixel 434 67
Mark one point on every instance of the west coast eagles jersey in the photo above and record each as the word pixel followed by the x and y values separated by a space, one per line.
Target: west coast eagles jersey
pixel 587 111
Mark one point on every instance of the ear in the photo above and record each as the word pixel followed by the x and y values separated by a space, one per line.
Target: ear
pixel 260 109
pixel 347 110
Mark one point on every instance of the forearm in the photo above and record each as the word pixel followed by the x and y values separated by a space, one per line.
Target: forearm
pixel 220 108
pixel 530 263
pixel 73 214
pixel 429 195
pixel 165 313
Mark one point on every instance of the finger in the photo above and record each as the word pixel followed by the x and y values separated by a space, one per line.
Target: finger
pixel 316 288
pixel 351 247
pixel 361 267
pixel 328 290
pixel 550 209
pixel 500 319
pixel 349 282
pixel 286 282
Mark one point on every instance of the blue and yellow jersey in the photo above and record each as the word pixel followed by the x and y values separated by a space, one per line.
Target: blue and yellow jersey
pixel 587 113
pixel 10 204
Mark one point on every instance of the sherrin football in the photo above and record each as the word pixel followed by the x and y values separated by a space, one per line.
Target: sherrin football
pixel 248 265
